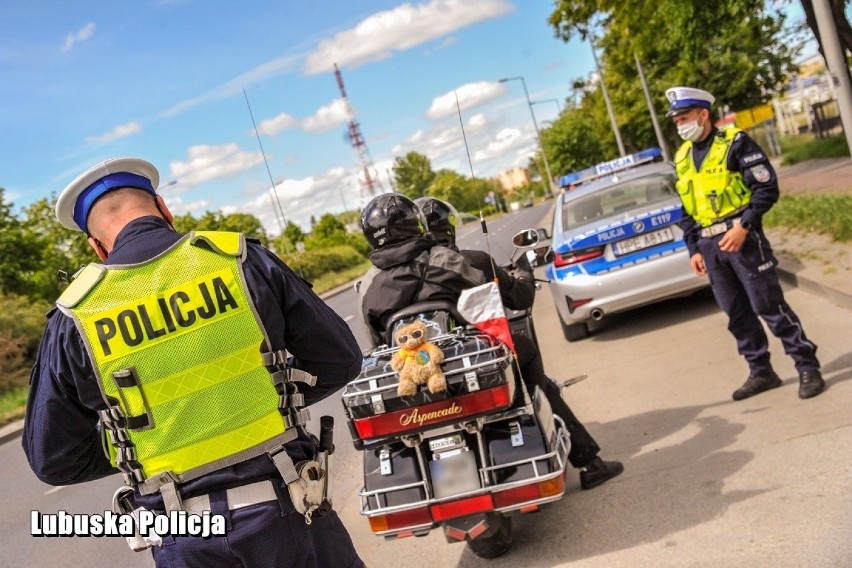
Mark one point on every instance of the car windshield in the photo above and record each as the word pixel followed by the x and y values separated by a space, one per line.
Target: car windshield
pixel 639 192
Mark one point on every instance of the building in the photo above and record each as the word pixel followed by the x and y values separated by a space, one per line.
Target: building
pixel 513 179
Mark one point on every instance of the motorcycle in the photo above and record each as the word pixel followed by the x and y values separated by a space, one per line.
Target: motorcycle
pixel 468 459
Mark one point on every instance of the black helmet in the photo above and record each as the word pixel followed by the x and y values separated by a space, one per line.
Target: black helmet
pixel 441 219
pixel 391 218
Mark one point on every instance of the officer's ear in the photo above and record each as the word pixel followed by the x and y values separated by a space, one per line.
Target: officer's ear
pixel 164 210
pixel 99 248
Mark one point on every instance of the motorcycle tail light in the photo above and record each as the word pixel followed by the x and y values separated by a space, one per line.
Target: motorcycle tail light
pixel 462 508
pixel 576 256
pixel 400 520
pixel 531 492
pixel 449 410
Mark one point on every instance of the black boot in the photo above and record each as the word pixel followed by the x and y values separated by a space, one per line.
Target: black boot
pixel 756 384
pixel 598 471
pixel 810 384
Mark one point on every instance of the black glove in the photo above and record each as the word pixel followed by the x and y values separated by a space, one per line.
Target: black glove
pixel 523 264
pixel 524 276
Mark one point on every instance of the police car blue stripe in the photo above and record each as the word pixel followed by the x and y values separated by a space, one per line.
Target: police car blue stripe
pixel 601 265
pixel 626 228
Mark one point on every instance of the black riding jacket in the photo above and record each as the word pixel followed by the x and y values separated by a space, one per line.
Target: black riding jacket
pixel 412 271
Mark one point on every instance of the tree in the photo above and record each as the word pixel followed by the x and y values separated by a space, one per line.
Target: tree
pixel 293 233
pixel 579 138
pixel 20 252
pixel 736 49
pixel 56 249
pixel 413 174
pixel 217 221
pixel 329 227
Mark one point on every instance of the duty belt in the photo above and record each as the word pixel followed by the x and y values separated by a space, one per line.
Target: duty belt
pixel 720 227
pixel 238 497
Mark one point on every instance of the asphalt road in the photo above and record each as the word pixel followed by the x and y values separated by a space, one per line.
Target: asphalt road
pixel 708 481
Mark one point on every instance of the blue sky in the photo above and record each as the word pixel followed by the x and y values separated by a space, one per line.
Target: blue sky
pixel 163 80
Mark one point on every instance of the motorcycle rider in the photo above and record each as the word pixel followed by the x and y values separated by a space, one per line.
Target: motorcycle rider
pixel 403 275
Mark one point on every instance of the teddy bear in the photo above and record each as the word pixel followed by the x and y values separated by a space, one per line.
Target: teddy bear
pixel 418 361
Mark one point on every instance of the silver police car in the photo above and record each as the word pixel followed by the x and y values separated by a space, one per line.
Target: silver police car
pixel 616 242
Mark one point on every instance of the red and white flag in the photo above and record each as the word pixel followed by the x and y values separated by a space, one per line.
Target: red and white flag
pixel 483 307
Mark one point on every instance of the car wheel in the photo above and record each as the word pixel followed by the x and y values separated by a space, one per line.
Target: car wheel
pixel 495 544
pixel 575 331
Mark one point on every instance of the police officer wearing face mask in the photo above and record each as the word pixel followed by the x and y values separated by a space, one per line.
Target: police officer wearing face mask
pixel 166 363
pixel 727 184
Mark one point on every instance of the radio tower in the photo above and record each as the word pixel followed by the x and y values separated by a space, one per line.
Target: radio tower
pixel 369 181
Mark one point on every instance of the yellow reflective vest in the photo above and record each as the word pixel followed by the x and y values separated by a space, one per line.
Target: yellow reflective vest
pixel 175 343
pixel 712 192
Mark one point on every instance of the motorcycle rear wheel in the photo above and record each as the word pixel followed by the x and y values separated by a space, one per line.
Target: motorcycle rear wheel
pixel 494 544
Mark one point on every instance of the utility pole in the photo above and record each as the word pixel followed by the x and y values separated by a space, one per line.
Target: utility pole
pixel 836 63
pixel 550 182
pixel 606 98
pixel 660 140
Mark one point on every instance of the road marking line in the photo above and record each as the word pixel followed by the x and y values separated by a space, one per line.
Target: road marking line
pixel 54 490
pixel 348 318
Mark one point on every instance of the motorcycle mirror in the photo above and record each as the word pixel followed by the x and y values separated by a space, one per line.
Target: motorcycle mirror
pixel 525 238
pixel 540 256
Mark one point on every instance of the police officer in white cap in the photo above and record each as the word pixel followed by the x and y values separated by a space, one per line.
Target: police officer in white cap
pixel 727 184
pixel 168 363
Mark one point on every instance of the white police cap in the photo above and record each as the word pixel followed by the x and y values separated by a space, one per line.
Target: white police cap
pixel 681 99
pixel 76 200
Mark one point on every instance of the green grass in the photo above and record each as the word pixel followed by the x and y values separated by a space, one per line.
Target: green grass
pixel 828 214
pixel 331 280
pixel 12 403
pixel 797 149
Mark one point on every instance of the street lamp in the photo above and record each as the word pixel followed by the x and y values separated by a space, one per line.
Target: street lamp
pixel 537 133
pixel 559 106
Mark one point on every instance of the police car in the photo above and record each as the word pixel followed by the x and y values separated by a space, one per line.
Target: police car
pixel 615 241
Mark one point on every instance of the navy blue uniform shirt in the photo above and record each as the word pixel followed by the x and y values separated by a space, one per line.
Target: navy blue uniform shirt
pixel 61 437
pixel 746 157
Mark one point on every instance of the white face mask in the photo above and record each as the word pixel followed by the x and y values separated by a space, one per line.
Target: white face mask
pixel 690 130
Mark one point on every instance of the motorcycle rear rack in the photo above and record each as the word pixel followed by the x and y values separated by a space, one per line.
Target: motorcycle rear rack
pixel 560 453
pixel 374 388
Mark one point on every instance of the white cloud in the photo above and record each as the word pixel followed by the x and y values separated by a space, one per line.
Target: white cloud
pixel 327 117
pixel 207 163
pixel 510 147
pixel 273 126
pixel 120 131
pixel 399 29
pixel 255 76
pixel 469 96
pixel 301 198
pixel 177 206
pixel 82 34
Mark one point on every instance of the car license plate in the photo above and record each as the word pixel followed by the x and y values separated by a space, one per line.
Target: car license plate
pixel 644 241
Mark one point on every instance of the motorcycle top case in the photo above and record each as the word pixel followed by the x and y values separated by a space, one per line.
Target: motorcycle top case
pixel 479 382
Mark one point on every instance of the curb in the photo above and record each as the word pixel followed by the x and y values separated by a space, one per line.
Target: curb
pixel 834 296
pixel 342 288
pixel 11 431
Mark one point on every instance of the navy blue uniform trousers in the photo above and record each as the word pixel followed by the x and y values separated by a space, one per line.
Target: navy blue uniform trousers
pixel 584 448
pixel 746 286
pixel 266 535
